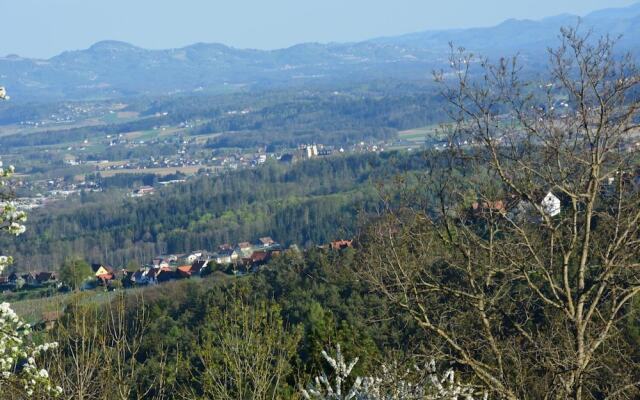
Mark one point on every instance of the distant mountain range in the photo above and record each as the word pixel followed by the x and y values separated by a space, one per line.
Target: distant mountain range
pixel 112 69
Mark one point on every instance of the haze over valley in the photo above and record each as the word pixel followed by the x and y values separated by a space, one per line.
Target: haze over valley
pixel 440 215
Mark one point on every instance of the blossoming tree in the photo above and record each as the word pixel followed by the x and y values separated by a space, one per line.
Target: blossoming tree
pixel 389 384
pixel 20 376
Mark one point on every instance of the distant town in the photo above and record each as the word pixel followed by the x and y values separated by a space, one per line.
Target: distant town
pixel 51 190
pixel 239 259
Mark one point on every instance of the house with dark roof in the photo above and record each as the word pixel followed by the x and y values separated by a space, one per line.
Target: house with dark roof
pixel 198 266
pixel 287 158
pixel 29 278
pixel 5 284
pixel 166 260
pixel 161 275
pixel 140 277
pixel 46 277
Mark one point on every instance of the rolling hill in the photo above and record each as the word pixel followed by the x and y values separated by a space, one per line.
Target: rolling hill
pixel 112 69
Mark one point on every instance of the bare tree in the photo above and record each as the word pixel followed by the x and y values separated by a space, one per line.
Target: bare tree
pixel 78 362
pixel 99 349
pixel 527 259
pixel 245 353
pixel 125 330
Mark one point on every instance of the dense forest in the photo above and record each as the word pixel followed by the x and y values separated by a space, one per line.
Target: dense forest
pixel 308 203
pixel 316 293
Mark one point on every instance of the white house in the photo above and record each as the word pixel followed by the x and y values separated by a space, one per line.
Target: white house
pixel 550 204
pixel 191 258
pixel 227 256
pixel 141 277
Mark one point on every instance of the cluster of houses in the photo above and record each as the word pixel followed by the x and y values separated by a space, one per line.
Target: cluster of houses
pixel 517 208
pixel 143 191
pixel 29 280
pixel 548 203
pixel 241 258
pixel 307 151
pixel 50 191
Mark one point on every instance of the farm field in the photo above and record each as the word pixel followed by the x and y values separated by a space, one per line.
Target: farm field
pixel 34 310
pixel 7 130
pixel 158 171
pixel 202 139
pixel 420 135
pixel 150 134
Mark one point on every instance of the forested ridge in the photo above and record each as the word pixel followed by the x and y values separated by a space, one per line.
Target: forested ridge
pixel 311 202
pixel 316 295
pixel 281 118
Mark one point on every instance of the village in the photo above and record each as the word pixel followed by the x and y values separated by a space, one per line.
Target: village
pixel 236 260
pixel 170 169
pixel 248 257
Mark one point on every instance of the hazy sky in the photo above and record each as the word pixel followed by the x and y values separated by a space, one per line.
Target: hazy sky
pixel 43 28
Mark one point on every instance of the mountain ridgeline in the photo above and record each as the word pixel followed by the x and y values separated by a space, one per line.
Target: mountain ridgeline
pixel 113 69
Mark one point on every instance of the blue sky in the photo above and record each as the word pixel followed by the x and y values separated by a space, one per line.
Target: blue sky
pixel 43 28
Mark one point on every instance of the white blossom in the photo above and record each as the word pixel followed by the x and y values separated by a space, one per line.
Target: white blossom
pixel 18 353
pixel 390 385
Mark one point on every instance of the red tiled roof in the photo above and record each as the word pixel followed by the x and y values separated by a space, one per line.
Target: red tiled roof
pixel 184 270
pixel 341 244
pixel 106 277
pixel 267 240
pixel 259 256
pixel 497 205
